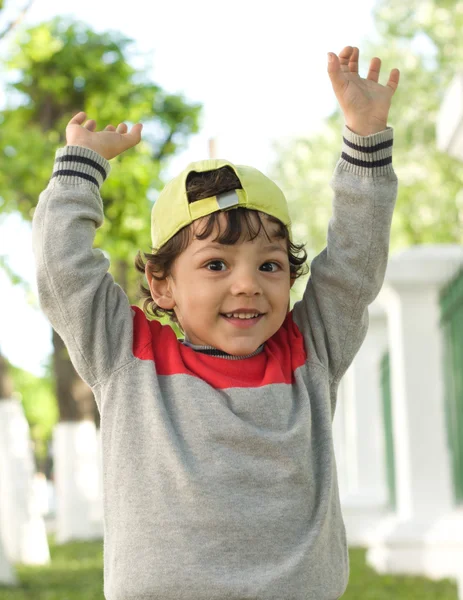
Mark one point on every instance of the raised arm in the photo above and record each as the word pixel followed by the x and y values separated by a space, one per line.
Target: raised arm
pixel 84 305
pixel 348 274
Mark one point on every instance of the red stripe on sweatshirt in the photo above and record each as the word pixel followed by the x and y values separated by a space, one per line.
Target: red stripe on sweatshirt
pixel 283 353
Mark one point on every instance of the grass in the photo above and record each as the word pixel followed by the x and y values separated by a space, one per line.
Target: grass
pixel 366 584
pixel 76 573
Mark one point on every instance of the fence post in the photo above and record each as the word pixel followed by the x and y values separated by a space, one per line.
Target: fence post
pixel 359 436
pixel 425 535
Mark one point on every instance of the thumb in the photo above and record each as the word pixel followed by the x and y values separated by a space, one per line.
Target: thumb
pixel 335 73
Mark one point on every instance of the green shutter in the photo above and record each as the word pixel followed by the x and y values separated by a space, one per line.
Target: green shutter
pixel 451 301
pixel 388 429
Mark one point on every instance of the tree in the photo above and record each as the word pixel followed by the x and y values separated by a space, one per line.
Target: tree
pixel 5 382
pixel 63 67
pixel 423 39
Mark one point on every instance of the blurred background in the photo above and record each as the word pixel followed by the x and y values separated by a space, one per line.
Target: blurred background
pixel 247 82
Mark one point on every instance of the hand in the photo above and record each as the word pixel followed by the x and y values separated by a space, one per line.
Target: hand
pixel 109 143
pixel 364 102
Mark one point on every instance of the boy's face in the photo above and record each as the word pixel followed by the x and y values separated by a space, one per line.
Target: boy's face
pixel 209 280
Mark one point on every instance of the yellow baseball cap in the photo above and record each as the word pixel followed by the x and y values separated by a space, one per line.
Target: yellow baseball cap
pixel 172 210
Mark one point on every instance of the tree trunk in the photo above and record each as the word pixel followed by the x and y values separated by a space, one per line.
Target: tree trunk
pixel 75 398
pixel 122 274
pixel 6 384
pixel 22 537
pixel 75 454
pixel 7 575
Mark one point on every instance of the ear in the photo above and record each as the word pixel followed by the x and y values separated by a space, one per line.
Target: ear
pixel 160 290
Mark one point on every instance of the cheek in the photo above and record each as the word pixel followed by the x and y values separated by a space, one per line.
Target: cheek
pixel 198 294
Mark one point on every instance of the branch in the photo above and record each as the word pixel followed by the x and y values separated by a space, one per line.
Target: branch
pixel 160 153
pixel 16 21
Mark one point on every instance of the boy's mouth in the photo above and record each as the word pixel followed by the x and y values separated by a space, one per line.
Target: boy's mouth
pixel 243 320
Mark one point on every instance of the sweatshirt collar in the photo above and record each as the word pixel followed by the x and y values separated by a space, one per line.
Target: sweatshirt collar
pixel 211 351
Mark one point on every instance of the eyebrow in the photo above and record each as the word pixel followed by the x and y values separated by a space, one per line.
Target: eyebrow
pixel 217 246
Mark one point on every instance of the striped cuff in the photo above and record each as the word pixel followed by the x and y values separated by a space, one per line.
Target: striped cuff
pixel 74 164
pixel 369 155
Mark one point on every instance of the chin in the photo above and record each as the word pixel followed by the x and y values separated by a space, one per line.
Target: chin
pixel 240 351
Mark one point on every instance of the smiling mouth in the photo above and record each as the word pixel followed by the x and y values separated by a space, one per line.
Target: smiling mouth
pixel 243 318
pixel 243 322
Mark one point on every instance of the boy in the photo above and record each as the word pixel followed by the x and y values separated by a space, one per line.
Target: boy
pixel 219 472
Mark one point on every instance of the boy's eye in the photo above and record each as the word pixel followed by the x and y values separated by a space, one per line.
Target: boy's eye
pixel 221 262
pixel 276 265
pixel 214 262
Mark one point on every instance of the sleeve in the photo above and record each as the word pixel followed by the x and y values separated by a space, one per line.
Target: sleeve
pixel 89 311
pixel 348 274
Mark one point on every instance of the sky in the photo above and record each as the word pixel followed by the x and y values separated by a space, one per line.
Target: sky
pixel 258 67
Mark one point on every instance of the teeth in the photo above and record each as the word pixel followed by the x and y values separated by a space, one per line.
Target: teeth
pixel 242 315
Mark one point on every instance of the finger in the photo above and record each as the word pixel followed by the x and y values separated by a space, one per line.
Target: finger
pixel 90 125
pixel 375 67
pixel 78 119
pixel 122 128
pixel 110 128
pixel 134 135
pixel 334 71
pixel 354 60
pixel 344 57
pixel 393 82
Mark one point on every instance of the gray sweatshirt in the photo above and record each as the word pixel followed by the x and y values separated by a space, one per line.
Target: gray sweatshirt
pixel 219 475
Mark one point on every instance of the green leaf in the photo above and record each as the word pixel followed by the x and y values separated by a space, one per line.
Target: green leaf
pixel 61 67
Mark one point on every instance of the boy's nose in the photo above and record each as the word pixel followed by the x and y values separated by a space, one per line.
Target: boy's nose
pixel 246 281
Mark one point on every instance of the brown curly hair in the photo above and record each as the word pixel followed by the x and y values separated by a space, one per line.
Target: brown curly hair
pixel 239 220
